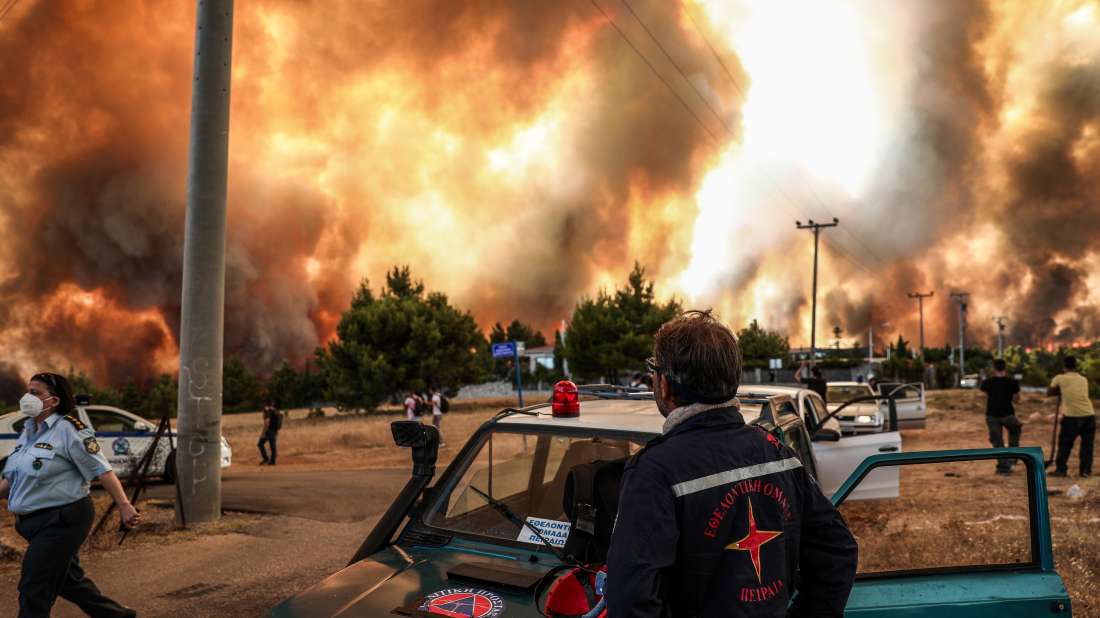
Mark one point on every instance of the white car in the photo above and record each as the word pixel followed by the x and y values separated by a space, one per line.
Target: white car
pixel 858 418
pixel 123 436
pixel 969 380
pixel 837 454
pixel 910 402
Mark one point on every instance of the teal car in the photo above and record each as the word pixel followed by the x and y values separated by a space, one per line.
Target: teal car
pixel 486 539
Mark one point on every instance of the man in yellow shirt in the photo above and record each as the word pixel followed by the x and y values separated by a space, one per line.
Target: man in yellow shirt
pixel 1078 417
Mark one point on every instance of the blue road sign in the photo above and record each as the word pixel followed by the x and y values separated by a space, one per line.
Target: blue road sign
pixel 504 350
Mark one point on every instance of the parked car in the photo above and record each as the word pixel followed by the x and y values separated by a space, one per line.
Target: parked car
pixel 860 418
pixel 909 398
pixel 838 457
pixel 970 380
pixel 123 436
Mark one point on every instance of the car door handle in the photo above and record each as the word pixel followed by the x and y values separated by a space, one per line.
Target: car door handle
pixel 887 449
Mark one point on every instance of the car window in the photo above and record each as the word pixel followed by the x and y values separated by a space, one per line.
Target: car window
pixel 787 408
pixel 527 472
pixel 104 420
pixel 935 502
pixel 796 438
pixel 844 393
pixel 817 408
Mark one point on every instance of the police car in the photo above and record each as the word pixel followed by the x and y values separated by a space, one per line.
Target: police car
pixel 123 436
pixel 487 538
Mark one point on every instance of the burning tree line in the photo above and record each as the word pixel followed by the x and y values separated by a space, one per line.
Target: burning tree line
pixel 404 337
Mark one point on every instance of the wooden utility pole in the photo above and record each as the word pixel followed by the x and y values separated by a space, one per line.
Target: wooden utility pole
pixel 920 304
pixel 1000 320
pixel 960 298
pixel 816 227
pixel 202 320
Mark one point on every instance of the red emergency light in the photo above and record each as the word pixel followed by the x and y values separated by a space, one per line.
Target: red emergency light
pixel 567 401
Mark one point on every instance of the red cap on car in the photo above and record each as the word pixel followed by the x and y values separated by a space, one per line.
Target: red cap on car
pixel 566 401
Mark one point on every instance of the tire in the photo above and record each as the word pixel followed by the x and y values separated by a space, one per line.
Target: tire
pixel 169 475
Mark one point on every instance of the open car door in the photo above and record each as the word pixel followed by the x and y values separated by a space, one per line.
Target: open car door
pixel 956 541
pixel 910 402
pixel 837 460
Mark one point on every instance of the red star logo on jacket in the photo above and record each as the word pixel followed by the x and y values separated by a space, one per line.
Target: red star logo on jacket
pixel 753 541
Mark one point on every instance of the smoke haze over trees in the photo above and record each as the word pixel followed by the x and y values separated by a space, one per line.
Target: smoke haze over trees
pixel 520 155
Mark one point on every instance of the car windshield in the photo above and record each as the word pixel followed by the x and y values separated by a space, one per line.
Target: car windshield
pixel 845 393
pixel 527 473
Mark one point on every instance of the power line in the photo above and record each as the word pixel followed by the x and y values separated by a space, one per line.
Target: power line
pixel 741 91
pixel 655 72
pixel 677 66
pixel 7 8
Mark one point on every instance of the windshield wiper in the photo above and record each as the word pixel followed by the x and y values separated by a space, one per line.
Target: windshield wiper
pixel 511 516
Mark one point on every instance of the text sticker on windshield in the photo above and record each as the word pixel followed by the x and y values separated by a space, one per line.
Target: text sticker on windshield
pixel 556 532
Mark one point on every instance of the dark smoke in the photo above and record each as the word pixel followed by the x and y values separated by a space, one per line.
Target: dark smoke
pixel 94 115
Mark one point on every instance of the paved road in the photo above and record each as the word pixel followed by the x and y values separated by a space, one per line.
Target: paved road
pixel 322 495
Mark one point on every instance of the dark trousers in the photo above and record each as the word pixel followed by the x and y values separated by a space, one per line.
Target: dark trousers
pixel 51 567
pixel 1072 427
pixel 997 425
pixel 269 437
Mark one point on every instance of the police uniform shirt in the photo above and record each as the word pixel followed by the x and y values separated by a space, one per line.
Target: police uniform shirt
pixel 54 465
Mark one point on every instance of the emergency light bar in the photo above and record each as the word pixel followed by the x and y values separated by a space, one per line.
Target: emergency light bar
pixel 566 402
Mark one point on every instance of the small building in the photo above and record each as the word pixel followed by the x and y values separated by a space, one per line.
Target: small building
pixel 542 356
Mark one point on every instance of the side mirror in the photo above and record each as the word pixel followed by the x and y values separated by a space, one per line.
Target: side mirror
pixel 826 435
pixel 424 441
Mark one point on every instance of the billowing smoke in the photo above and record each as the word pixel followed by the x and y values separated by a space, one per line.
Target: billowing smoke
pixel 509 152
pixel 517 155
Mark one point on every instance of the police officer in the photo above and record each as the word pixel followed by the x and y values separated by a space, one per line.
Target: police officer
pixel 46 482
pixel 715 516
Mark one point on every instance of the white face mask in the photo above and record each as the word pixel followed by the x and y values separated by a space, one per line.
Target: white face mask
pixel 30 405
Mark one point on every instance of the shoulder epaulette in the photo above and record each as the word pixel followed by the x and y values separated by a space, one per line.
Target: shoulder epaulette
pixel 79 424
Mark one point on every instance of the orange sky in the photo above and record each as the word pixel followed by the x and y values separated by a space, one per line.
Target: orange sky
pixel 519 155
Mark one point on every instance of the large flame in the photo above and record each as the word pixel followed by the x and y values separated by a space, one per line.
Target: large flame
pixel 518 155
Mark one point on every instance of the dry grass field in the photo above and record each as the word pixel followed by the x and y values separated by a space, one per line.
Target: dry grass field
pixel 350 440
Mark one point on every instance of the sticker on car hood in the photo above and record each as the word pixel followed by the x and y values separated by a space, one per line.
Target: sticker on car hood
pixel 464 603
pixel 555 531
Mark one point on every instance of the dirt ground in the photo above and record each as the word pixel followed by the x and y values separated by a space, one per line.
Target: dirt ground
pixel 982 515
pixel 246 563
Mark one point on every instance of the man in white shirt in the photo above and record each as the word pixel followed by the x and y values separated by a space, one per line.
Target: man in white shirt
pixel 410 406
pixel 437 409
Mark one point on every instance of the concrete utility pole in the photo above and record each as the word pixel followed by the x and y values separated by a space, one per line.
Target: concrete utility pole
pixel 1000 320
pixel 816 227
pixel 871 343
pixel 920 304
pixel 198 457
pixel 960 298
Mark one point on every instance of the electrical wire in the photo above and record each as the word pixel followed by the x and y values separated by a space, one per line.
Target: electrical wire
pixel 649 64
pixel 677 66
pixel 7 8
pixel 813 192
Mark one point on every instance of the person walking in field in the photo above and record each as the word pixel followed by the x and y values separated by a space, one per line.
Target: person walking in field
pixel 1078 418
pixel 1000 415
pixel 273 422
pixel 410 406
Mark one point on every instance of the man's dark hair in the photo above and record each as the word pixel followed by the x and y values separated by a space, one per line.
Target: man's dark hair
pixel 700 357
pixel 58 385
pixel 999 364
pixel 1070 362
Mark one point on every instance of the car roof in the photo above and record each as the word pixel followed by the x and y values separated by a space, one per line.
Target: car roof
pixel 863 384
pixel 634 414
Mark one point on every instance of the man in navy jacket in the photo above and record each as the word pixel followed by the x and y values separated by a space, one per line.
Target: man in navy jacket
pixel 716 517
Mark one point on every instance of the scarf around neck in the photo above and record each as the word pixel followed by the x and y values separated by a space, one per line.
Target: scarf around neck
pixel 683 413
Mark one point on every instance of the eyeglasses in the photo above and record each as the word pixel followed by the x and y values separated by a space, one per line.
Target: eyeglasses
pixel 652 366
